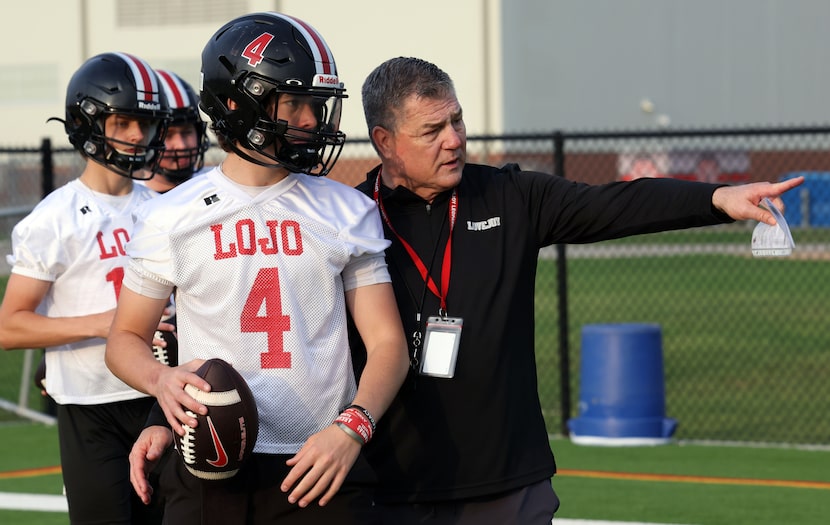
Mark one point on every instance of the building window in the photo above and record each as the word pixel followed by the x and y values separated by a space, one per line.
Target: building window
pixel 130 13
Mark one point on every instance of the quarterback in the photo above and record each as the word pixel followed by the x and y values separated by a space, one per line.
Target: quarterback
pixel 266 257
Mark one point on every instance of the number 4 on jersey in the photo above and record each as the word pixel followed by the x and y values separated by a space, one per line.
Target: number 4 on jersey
pixel 265 297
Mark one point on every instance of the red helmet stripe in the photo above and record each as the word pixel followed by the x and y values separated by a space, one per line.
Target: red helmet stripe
pixel 173 90
pixel 322 54
pixel 146 82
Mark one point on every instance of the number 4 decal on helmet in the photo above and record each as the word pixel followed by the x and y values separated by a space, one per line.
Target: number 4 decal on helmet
pixel 253 51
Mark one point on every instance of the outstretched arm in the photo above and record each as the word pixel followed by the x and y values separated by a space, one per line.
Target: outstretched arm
pixel 742 202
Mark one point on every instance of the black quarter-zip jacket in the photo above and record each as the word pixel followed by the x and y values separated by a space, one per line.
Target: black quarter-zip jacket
pixel 481 433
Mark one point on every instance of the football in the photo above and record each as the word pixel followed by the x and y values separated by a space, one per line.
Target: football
pixel 224 438
pixel 168 355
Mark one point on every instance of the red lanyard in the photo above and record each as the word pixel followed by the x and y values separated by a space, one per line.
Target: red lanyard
pixel 446 263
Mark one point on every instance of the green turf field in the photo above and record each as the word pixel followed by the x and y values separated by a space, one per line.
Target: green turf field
pixel 744 340
pixel 761 382
pixel 28 449
pixel 704 500
pixel 616 493
pixel 734 330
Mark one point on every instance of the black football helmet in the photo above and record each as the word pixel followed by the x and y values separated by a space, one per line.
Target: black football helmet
pixel 255 58
pixel 184 110
pixel 110 84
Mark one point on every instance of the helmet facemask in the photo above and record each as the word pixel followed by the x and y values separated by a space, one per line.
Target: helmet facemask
pixel 113 153
pixel 179 165
pixel 311 150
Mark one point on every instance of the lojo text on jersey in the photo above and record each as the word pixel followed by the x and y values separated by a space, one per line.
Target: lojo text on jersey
pixel 246 238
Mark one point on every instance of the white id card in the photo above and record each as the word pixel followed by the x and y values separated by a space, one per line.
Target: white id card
pixel 443 335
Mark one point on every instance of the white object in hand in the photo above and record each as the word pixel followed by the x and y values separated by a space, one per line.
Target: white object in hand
pixel 772 241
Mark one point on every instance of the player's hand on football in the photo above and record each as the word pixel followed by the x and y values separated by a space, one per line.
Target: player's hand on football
pixel 320 467
pixel 146 451
pixel 741 202
pixel 173 399
pixel 169 311
pixel 159 341
pixel 166 327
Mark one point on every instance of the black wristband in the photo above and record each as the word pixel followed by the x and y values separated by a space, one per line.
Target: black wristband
pixel 365 413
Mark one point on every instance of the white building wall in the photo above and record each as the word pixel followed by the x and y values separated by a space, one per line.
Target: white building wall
pixel 588 64
pixel 361 33
pixel 519 65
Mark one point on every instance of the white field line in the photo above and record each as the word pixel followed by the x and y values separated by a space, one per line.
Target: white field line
pixel 41 502
pixel 48 503
pixel 558 521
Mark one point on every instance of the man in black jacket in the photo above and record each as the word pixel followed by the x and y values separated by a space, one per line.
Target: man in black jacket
pixel 465 442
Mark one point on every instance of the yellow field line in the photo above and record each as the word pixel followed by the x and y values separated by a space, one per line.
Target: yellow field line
pixel 30 472
pixel 633 476
pixel 678 478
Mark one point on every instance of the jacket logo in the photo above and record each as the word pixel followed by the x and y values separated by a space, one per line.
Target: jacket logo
pixel 477 226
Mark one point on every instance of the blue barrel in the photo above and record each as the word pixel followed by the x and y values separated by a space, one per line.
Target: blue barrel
pixel 622 395
pixel 809 204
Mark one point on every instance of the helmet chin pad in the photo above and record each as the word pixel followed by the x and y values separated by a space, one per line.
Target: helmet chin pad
pixel 302 158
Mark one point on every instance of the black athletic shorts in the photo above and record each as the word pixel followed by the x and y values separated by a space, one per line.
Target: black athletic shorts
pixel 253 496
pixel 531 505
pixel 95 443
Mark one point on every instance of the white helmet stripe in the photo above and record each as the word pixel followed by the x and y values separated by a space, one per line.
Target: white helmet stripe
pixel 145 80
pixel 323 58
pixel 175 92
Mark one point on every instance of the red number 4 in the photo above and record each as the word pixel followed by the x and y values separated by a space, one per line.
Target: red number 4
pixel 266 291
pixel 253 51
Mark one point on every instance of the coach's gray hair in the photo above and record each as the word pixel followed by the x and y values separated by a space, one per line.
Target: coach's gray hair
pixel 391 83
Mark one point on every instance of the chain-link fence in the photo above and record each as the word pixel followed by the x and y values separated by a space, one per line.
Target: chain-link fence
pixel 745 343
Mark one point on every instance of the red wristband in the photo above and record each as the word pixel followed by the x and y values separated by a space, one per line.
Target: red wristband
pixel 357 422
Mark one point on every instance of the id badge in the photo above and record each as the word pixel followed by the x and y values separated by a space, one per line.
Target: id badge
pixel 443 334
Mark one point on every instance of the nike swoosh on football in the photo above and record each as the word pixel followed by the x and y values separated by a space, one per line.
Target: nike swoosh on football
pixel 221 456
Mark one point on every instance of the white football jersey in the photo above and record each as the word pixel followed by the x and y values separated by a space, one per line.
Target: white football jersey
pixel 77 238
pixel 143 182
pixel 258 284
